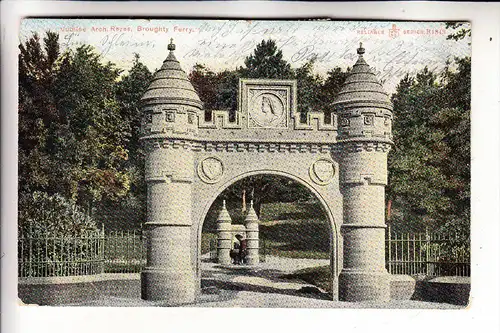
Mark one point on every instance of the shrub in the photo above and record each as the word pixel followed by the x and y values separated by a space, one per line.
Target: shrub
pixel 56 238
pixel 41 214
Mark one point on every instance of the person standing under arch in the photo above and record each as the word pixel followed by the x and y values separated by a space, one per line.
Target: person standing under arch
pixel 240 258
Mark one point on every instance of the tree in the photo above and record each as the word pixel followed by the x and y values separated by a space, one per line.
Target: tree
pixel 266 62
pixel 461 30
pixel 38 64
pixel 90 145
pixel 429 169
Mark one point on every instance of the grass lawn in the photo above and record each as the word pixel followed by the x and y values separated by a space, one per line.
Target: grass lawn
pixel 292 230
pixel 206 239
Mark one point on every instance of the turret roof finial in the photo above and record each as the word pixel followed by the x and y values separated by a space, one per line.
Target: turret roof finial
pixel 361 50
pixel 171 46
pixel 224 204
pixel 251 216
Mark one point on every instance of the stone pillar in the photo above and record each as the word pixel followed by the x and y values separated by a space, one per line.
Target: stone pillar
pixel 169 273
pixel 252 228
pixel 363 276
pixel 364 139
pixel 170 108
pixel 224 236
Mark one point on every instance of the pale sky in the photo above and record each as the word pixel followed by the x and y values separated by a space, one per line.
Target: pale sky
pixel 392 48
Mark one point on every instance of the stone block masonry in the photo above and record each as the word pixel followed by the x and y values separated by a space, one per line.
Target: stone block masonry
pixel 190 161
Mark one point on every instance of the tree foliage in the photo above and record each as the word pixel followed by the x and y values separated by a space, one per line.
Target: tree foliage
pixel 429 168
pixel 460 32
pixel 77 124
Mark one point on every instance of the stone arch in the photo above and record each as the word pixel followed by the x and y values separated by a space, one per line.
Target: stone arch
pixel 176 137
pixel 333 226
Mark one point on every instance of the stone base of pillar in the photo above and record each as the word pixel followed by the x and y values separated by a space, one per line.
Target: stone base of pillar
pixel 252 260
pixel 173 288
pixel 361 285
pixel 223 257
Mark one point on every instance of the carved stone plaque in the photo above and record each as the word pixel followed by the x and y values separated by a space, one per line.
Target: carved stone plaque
pixel 266 109
pixel 267 103
pixel 322 171
pixel 210 170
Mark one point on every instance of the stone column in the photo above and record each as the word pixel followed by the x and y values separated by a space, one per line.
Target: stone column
pixel 363 276
pixel 169 273
pixel 252 230
pixel 224 236
pixel 170 109
pixel 364 139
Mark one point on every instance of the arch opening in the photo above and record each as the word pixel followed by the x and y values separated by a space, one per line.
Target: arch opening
pixel 296 225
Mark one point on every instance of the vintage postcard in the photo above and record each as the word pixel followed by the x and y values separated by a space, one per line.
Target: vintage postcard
pixel 237 163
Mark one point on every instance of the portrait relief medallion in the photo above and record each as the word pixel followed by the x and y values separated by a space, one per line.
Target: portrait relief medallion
pixel 322 171
pixel 210 170
pixel 266 110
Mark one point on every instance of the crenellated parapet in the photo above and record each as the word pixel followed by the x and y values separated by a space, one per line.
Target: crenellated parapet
pixel 220 120
pixel 267 111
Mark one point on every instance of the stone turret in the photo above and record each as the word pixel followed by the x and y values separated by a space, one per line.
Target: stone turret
pixel 364 139
pixel 170 116
pixel 252 226
pixel 224 236
pixel 363 107
pixel 170 104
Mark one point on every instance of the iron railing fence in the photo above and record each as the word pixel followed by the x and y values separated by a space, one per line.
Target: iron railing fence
pixel 429 254
pixel 124 251
pixel 92 252
pixel 46 255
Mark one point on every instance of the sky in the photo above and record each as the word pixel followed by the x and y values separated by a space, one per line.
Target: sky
pixel 393 48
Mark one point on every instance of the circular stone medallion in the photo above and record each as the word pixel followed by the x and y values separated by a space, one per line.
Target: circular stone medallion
pixel 210 170
pixel 267 110
pixel 322 171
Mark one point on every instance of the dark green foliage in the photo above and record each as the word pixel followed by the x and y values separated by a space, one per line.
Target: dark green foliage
pixel 132 209
pixel 429 168
pixel 460 32
pixel 52 216
pixel 266 62
pixel 78 125
pixel 79 122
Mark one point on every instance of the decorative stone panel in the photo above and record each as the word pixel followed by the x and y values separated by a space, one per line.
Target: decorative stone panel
pixel 267 103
